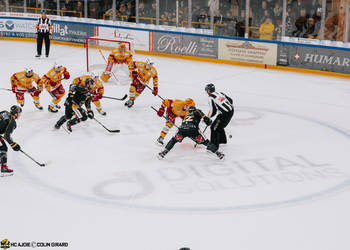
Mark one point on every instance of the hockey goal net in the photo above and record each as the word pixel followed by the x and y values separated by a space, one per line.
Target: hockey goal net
pixel 98 50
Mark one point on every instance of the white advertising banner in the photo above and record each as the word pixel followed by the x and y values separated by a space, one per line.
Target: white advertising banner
pixel 139 38
pixel 247 51
pixel 17 25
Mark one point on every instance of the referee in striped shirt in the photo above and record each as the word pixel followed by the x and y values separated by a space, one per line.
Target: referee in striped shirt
pixel 43 32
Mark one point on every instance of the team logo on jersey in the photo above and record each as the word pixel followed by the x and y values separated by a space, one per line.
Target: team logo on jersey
pixel 10 25
pixel 5 244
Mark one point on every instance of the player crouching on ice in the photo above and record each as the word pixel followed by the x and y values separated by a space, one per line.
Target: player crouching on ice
pixel 7 126
pixel 21 83
pixel 190 128
pixel 174 108
pixel 96 91
pixel 79 94
pixel 141 75
pixel 52 81
pixel 119 56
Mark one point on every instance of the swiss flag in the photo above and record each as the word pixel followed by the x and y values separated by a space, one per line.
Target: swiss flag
pixel 297 56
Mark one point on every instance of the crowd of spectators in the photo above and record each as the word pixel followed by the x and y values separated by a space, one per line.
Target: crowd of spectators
pixel 303 17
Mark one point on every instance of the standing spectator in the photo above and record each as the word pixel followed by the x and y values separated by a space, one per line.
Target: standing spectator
pixel 241 24
pixel 79 8
pixel 259 17
pixel 312 29
pixel 130 12
pixel 290 21
pixel 278 30
pixel 67 6
pixel 266 30
pixel 230 23
pixel 43 32
pixel 300 23
pixel 298 5
pixel 203 19
pixel 277 11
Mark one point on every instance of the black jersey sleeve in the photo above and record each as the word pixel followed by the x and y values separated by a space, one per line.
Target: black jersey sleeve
pixel 9 130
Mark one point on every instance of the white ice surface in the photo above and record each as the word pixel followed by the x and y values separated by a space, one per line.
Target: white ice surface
pixel 283 185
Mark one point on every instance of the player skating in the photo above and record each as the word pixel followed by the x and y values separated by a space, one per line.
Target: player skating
pixel 79 95
pixel 142 74
pixel 22 82
pixel 190 128
pixel 118 56
pixel 7 126
pixel 222 106
pixel 53 84
pixel 172 109
pixel 97 90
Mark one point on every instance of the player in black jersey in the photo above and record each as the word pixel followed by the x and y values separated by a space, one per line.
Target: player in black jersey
pixel 221 106
pixel 7 126
pixel 79 94
pixel 189 128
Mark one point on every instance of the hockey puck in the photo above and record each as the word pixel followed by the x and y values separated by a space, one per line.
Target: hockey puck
pixel 230 136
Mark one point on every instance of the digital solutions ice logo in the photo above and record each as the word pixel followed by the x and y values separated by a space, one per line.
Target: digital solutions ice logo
pixel 9 25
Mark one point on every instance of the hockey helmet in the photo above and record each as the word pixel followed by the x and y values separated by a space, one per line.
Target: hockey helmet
pixel 122 45
pixel 57 66
pixel 191 109
pixel 94 75
pixel 15 110
pixel 189 102
pixel 148 61
pixel 28 71
pixel 89 82
pixel 210 87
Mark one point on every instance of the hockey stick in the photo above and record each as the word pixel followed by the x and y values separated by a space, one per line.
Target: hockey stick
pixel 202 134
pixel 114 98
pixel 104 58
pixel 6 89
pixel 40 164
pixel 109 130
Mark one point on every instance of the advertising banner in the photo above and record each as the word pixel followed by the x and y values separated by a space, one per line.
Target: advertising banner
pixel 71 32
pixel 185 45
pixel 61 31
pixel 138 38
pixel 314 58
pixel 247 51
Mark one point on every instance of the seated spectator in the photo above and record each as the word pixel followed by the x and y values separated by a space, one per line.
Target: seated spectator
pixel 266 30
pixel 260 13
pixel 290 21
pixel 67 5
pixel 300 23
pixel 166 18
pixel 130 12
pixel 278 30
pixel 203 20
pixel 218 21
pixel 315 5
pixel 263 18
pixel 312 29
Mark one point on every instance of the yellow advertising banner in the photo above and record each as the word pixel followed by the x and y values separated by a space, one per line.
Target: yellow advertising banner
pixel 247 51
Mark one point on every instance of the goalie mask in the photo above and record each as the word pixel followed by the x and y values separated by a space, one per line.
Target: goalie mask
pixel 94 76
pixel 148 62
pixel 122 47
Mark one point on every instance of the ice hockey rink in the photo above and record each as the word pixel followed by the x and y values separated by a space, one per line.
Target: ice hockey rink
pixel 284 183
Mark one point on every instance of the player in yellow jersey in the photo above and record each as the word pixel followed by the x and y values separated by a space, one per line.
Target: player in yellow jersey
pixel 172 109
pixel 52 81
pixel 97 90
pixel 22 82
pixel 142 74
pixel 120 55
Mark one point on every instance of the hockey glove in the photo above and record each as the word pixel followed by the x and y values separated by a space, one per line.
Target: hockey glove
pixel 90 114
pixel 160 112
pixel 134 75
pixel 15 146
pixel 155 91
pixel 66 75
pixel 207 121
pixel 98 96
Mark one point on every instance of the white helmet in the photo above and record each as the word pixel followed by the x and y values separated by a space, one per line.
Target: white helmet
pixel 57 66
pixel 28 70
pixel 148 61
pixel 94 75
